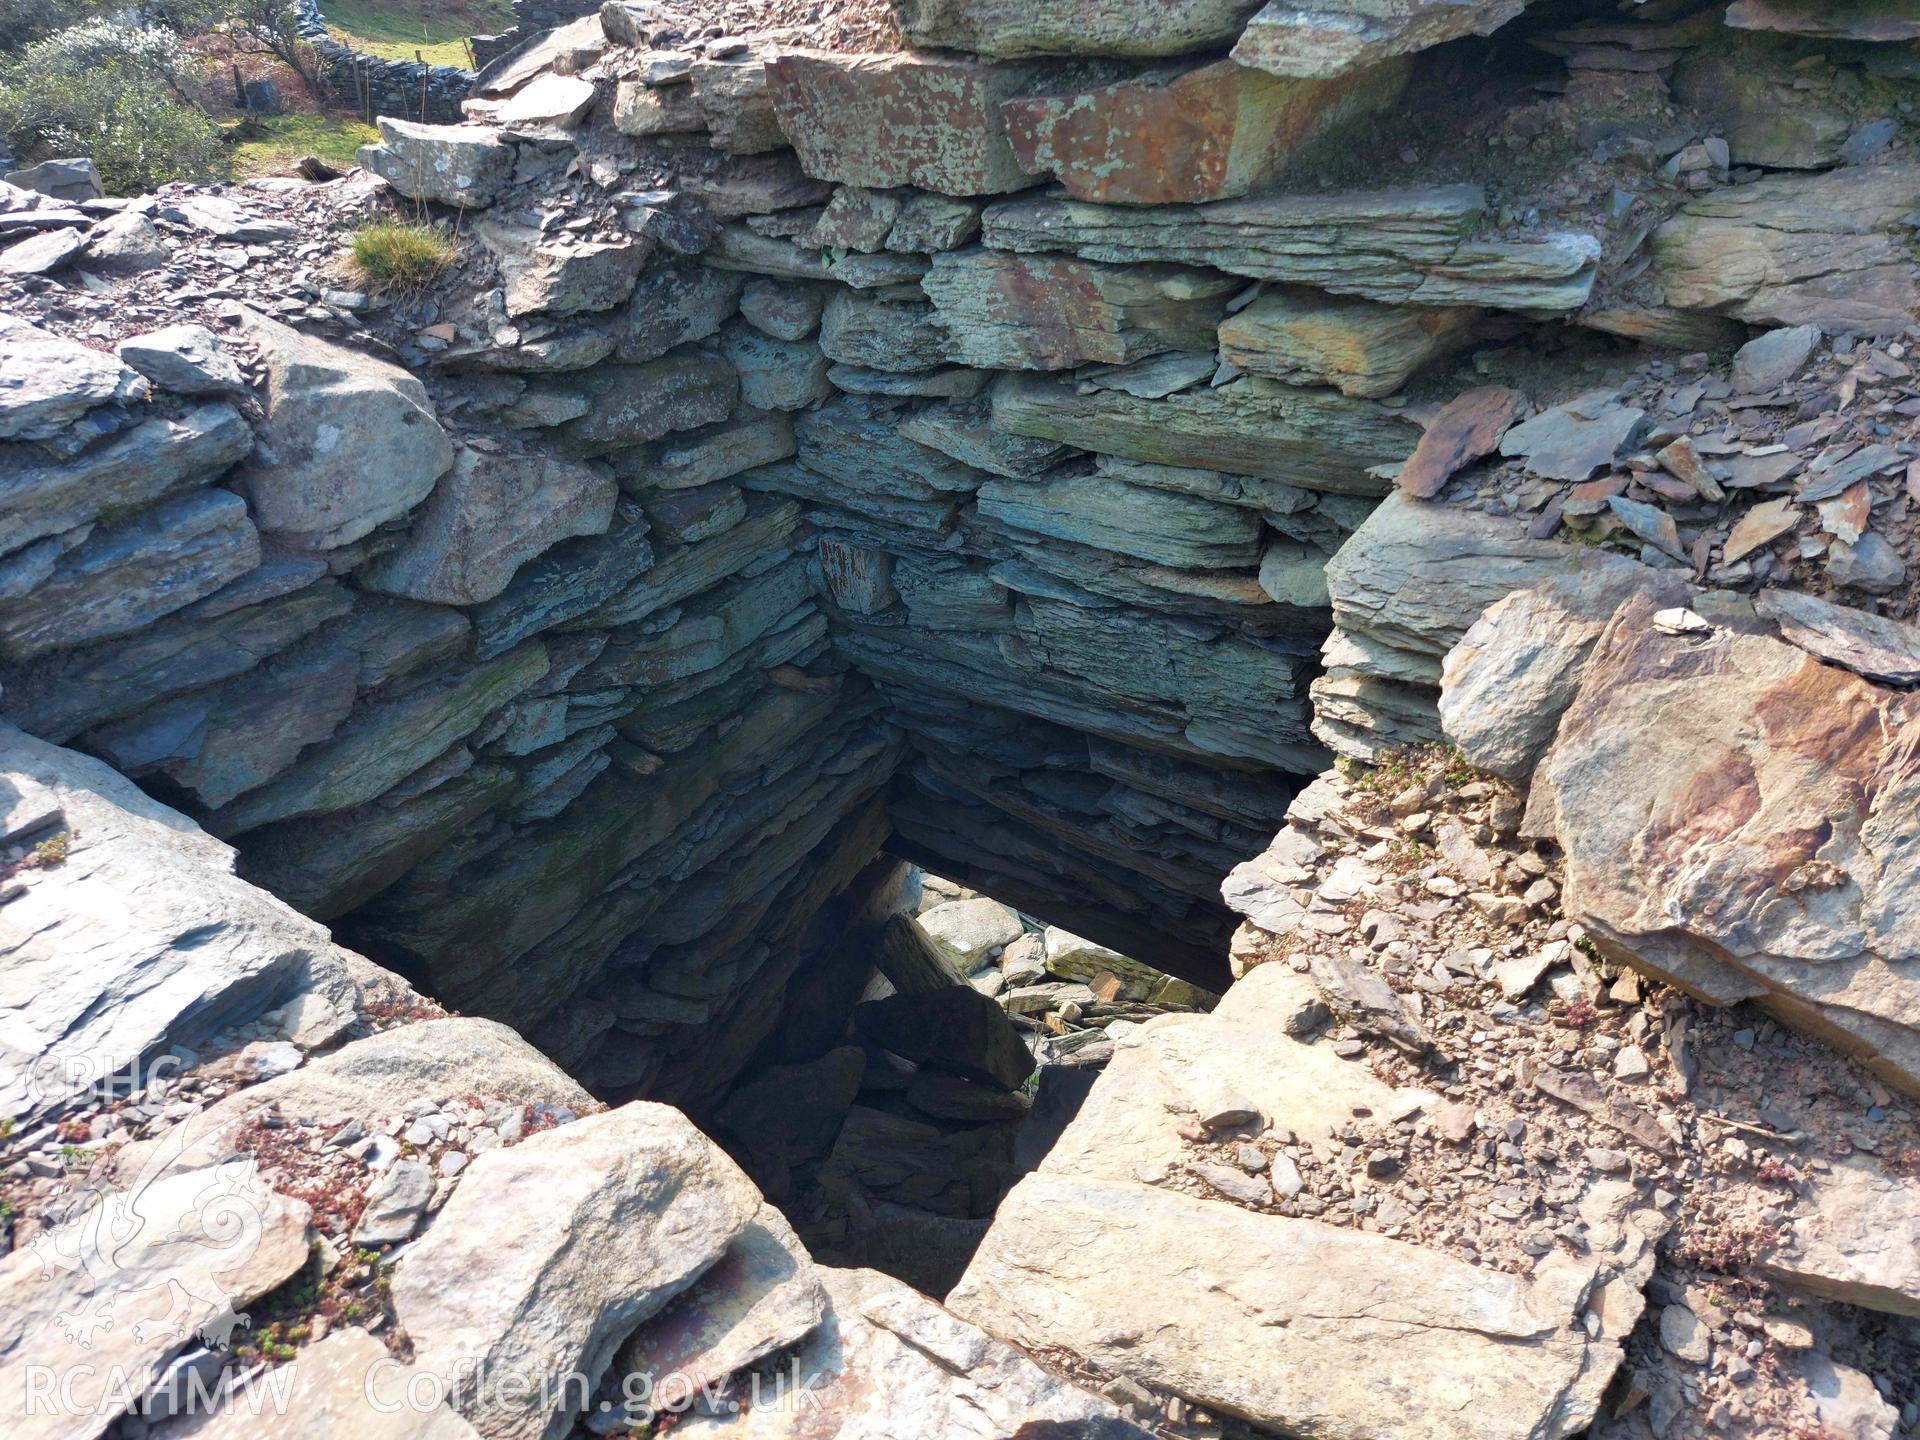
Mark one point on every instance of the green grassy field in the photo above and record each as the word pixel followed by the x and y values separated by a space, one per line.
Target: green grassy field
pixel 278 144
pixel 396 29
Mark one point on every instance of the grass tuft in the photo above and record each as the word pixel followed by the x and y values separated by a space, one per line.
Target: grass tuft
pixel 398 255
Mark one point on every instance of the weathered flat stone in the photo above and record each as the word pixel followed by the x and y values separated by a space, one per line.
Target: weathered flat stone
pixel 462 165
pixel 384 742
pixel 65 692
pixel 1157 525
pixel 186 359
pixel 784 311
pixel 1515 671
pixel 1468 427
pixel 348 442
pixel 141 1275
pixel 676 304
pixel 630 404
pixel 1797 250
pixel 1773 358
pixel 1723 856
pixel 126 244
pixel 906 119
pixel 552 99
pixel 1875 20
pixel 966 432
pixel 1211 133
pixel 141 939
pixel 886 1360
pixel 567 582
pixel 47 381
pixel 1855 1239
pixel 42 254
pixel 859 329
pixel 560 276
pixel 1381 1338
pixel 1335 37
pixel 762 1295
pixel 1014 29
pixel 640 109
pixel 733 101
pixel 125 575
pixel 220 742
pixel 1310 438
pixel 551 1252
pixel 1357 346
pixel 776 374
pixel 1875 646
pixel 327 865
pixel 857 218
pixel 1574 440
pixel 745 439
pixel 931 223
pixel 39 497
pixel 1050 312
pixel 72 178
pixel 489 515
pixel 1398 246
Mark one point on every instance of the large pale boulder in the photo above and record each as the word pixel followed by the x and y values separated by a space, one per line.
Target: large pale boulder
pixel 461 165
pixel 489 515
pixel 1285 1322
pixel 1735 817
pixel 1334 37
pixel 1504 686
pixel 348 442
pixel 1309 1327
pixel 99 1305
pixel 763 1295
pixel 970 931
pixel 553 1251
pixel 1054 312
pixel 1206 133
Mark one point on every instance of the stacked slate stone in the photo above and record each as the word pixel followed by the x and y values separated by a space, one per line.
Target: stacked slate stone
pixel 788 476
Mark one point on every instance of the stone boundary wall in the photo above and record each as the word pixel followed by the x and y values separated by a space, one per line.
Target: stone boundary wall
pixel 405 89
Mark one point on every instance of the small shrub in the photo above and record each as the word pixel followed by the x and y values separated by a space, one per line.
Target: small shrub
pixel 117 93
pixel 395 254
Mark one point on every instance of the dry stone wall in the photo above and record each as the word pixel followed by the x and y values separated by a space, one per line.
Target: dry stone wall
pixel 819 450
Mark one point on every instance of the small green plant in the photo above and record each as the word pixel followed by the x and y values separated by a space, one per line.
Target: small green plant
pixel 6 1130
pixel 53 849
pixel 76 1157
pixel 399 254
